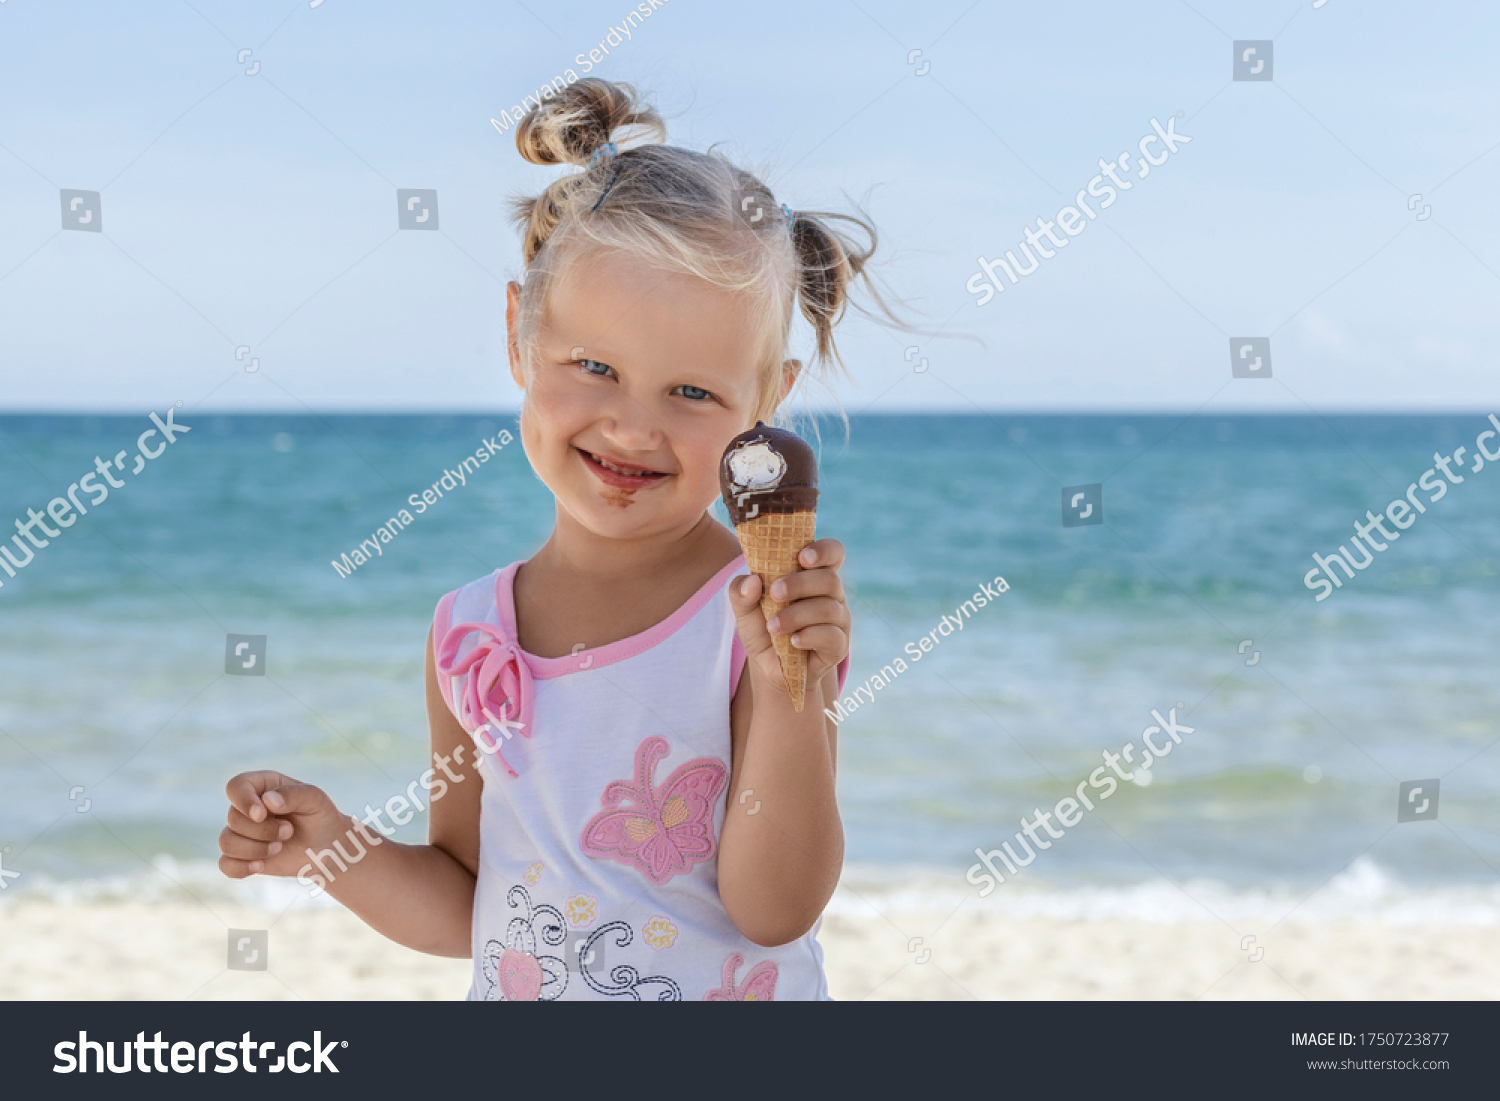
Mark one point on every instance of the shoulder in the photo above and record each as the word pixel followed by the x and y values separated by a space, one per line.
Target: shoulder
pixel 474 602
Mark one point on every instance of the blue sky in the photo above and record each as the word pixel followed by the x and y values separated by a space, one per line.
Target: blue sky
pixel 259 210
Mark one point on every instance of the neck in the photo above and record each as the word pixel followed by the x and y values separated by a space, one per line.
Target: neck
pixel 574 550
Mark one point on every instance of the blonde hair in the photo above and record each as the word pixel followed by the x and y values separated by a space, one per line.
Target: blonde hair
pixel 683 211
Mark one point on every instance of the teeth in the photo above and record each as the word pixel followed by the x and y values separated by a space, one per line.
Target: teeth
pixel 607 465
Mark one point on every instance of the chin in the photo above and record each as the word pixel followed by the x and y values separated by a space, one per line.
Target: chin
pixel 616 517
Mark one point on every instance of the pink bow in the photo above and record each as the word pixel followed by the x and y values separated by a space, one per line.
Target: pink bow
pixel 497 671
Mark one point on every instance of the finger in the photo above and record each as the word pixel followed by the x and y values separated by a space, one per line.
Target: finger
pixel 244 792
pixel 808 613
pixel 822 554
pixel 272 829
pixel 806 583
pixel 824 641
pixel 243 848
pixel 295 798
pixel 239 869
pixel 744 592
pixel 744 599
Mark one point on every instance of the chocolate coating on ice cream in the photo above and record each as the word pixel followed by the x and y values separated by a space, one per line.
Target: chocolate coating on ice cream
pixel 768 470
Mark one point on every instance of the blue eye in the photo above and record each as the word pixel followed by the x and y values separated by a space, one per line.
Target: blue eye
pixel 694 393
pixel 589 365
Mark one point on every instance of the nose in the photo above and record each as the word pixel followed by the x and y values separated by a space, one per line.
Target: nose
pixel 631 426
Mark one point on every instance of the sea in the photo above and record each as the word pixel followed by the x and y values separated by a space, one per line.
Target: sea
pixel 1153 565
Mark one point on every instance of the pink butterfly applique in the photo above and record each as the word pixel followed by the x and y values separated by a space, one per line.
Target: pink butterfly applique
pixel 663 831
pixel 759 984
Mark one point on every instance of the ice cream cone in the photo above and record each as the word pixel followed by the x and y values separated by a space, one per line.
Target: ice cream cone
pixel 769 481
pixel 771 543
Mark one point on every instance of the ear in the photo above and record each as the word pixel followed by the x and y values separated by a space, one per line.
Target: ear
pixel 512 326
pixel 791 370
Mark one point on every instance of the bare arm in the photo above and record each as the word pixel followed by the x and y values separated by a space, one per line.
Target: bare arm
pixel 421 896
pixel 782 847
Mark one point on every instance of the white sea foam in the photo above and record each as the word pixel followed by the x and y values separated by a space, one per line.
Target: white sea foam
pixel 168 880
pixel 1364 891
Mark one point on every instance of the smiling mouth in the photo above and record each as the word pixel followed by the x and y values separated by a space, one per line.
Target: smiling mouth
pixel 623 475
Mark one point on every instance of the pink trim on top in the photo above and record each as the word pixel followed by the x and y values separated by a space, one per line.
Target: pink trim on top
pixel 547 668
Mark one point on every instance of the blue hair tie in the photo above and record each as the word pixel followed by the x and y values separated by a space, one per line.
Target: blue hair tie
pixel 605 152
pixel 600 200
pixel 787 212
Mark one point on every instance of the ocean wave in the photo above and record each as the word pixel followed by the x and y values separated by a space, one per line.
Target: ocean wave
pixel 167 880
pixel 1364 892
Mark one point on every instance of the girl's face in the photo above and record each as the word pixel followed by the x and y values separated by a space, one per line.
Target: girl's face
pixel 638 381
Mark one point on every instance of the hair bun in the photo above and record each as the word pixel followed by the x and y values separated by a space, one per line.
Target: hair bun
pixel 566 128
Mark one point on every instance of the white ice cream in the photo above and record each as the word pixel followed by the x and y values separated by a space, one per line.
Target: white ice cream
pixel 756 466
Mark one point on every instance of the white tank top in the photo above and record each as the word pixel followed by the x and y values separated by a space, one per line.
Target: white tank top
pixel 605 787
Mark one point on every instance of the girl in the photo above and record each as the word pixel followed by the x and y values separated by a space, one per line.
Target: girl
pixel 623 801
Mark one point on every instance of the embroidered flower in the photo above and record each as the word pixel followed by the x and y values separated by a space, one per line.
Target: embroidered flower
pixel 665 830
pixel 520 976
pixel 582 909
pixel 534 873
pixel 759 984
pixel 519 969
pixel 660 933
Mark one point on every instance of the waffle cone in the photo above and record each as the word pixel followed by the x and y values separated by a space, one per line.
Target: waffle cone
pixel 771 544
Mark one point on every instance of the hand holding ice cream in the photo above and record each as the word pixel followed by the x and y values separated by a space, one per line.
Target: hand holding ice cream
pixel 769 480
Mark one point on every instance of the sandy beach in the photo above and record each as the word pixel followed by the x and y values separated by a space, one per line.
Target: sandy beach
pixel 892 946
